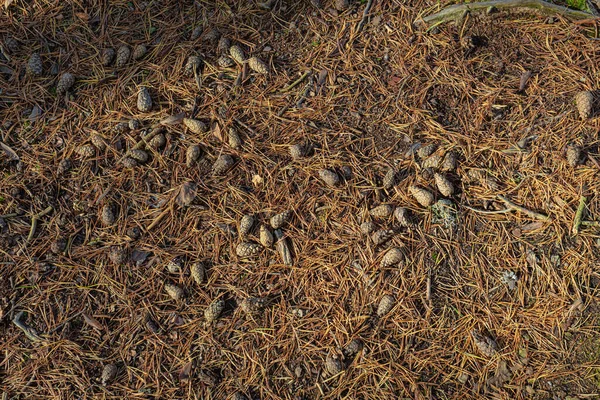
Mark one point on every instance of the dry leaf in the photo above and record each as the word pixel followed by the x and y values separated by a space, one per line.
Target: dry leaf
pixel 9 152
pixel 82 15
pixel 173 119
pixel 217 133
pixel 524 79
pixel 187 193
pixel 91 321
pixel 186 371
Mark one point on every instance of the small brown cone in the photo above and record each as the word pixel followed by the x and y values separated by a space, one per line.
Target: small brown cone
pixel 214 310
pixel 117 255
pixel 449 162
pixel 141 156
pixel 144 100
pixel 198 272
pixel 402 216
pixel 279 220
pixel 237 53
pixel 193 64
pixel 98 141
pixel 174 291
pixel 247 249
pixel 341 5
pixel 330 177
pixel 222 164
pixel 192 155
pixel 252 305
pixel 386 304
pixel 333 364
pixel 297 151
pixel 381 211
pixel 433 161
pixel 109 373
pixel 108 215
pixel 425 151
pixel 246 224
pixel 381 236
pixel 196 32
pixel 129 162
pixel 65 83
pixel 139 51
pixel 225 62
pixel 486 345
pixel 266 237
pixel 389 180
pixel 34 65
pixel 585 103
pixel 86 151
pixel 391 257
pixel 157 141
pixel 367 227
pixel 108 55
pixel 444 185
pixel 258 65
pixel 234 139
pixel 195 125
pixel 574 154
pixel 123 54
pixel 423 196
pixel 223 46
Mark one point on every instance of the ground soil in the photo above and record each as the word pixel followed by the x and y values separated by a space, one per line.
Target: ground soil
pixel 526 286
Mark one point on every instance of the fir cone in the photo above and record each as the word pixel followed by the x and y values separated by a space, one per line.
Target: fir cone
pixel 257 65
pixel 108 55
pixel 423 196
pixel 381 211
pixel 214 310
pixel 223 164
pixel 139 51
pixel 386 304
pixel 381 236
pixel 141 156
pixel 144 101
pixel 195 125
pixel 108 215
pixel 246 224
pixel 123 54
pixel 330 177
pixel 389 180
pixel 223 46
pixel 486 345
pixel 279 220
pixel 98 141
pixel 86 151
pixel 234 139
pixel 585 104
pixel 391 257
pixel 193 64
pixel 65 83
pixel 237 53
pixel 225 62
pixel 449 162
pixel 333 364
pixel 174 291
pixel 252 305
pixel 574 154
pixel 192 155
pixel 109 373
pixel 444 185
pixel 34 65
pixel 247 249
pixel 265 236
pixel 198 272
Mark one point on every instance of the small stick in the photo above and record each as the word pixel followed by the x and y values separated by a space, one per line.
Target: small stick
pixel 506 210
pixel 27 330
pixel 34 221
pixel 365 16
pixel 579 215
pixel 529 213
pixel 590 223
pixel 159 218
pixel 295 83
pixel 252 131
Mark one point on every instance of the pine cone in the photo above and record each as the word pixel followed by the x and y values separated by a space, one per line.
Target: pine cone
pixel 352 348
pixel 297 151
pixel 11 45
pixel 238 396
pixel 212 36
pixel 402 216
pixel 223 164
pixel 195 126
pixel 246 224
pixel 139 51
pixel 193 64
pixel 98 141
pixel 141 156
pixel 129 162
pixel 391 257
pixel 367 227
pixel 109 373
pixel 64 166
pixel 330 177
pixel 117 255
pixel 389 180
pixel 108 55
pixel 144 101
pixel 234 139
pixel 123 54
pixel 174 291
pixel 198 272
pixel 121 127
pixel 423 197
pixel 252 305
pixel 157 141
pixel 257 65
pixel 279 220
pixel 152 326
pixel 214 310
pixel 247 249
pixel 433 161
pixel 265 236
pixel 65 82
pixel 574 154
pixel 86 151
pixel 108 215
pixel 386 304
pixel 449 162
pixel 381 236
pixel 381 211
pixel 333 364
pixel 237 53
pixel 175 266
pixel 192 155
pixel 341 5
pixel 444 185
pixel 196 32
pixel 585 103
pixel 425 151
pixel 134 124
pixel 58 246
pixel 34 65
pixel 225 62
pixel 223 46
pixel 486 345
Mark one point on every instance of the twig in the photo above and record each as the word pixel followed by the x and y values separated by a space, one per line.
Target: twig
pixel 365 16
pixel 34 221
pixel 590 223
pixel 295 83
pixel 458 10
pixel 252 131
pixel 506 210
pixel 524 210
pixel 27 330
pixel 159 218
pixel 579 215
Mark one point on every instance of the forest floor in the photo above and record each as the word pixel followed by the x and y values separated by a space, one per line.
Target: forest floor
pixel 425 184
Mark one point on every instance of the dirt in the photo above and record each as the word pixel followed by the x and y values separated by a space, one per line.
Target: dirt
pixel 371 98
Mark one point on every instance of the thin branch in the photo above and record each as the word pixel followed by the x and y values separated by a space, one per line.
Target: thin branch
pixel 457 11
pixel 365 16
pixel 529 213
pixel 579 215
